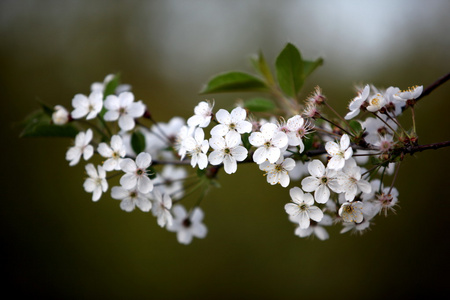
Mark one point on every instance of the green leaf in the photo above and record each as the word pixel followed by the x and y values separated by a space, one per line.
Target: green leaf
pixel 110 88
pixel 39 125
pixel 138 142
pixel 289 69
pixel 356 126
pixel 259 104
pixel 233 82
pixel 48 110
pixel 310 66
pixel 262 67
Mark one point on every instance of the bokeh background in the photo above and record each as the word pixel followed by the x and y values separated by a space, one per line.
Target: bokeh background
pixel 57 243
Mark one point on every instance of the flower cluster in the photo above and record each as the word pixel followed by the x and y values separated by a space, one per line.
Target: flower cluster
pixel 335 167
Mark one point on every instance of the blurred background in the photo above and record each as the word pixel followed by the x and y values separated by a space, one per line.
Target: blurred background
pixel 57 243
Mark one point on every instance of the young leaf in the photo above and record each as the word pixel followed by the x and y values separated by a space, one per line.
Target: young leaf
pixel 289 69
pixel 261 66
pixel 356 126
pixel 259 104
pixel 111 86
pixel 39 125
pixel 233 82
pixel 310 66
pixel 138 142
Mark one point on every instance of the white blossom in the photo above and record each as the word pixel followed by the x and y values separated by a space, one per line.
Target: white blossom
pixel 96 183
pixel 161 208
pixel 376 102
pixel 357 102
pixel 114 153
pixel 227 151
pixel 85 106
pixel 316 228
pixel 302 210
pixel 233 122
pixel 339 152
pixel 60 116
pixel 351 211
pixel 187 225
pixel 321 181
pixel 368 211
pixel 81 147
pixel 170 181
pixel 202 115
pixel 409 94
pixel 130 198
pixel 136 173
pixel 100 86
pixel 296 128
pixel 269 141
pixel 350 180
pixel 197 147
pixel 278 171
pixel 124 109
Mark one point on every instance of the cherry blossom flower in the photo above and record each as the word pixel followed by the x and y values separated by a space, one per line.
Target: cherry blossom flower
pixel 357 102
pixel 124 109
pixel 161 208
pixel 409 94
pixel 302 209
pixel 296 128
pixel 114 153
pixel 369 211
pixel 350 180
pixel 316 228
pixel 202 115
pixel 170 181
pixel 81 147
pixel 269 142
pixel 376 102
pixel 136 173
pixel 352 211
pixel 96 183
pixel 85 106
pixel 60 116
pixel 321 181
pixel 130 198
pixel 184 133
pixel 339 152
pixel 227 151
pixel 187 225
pixel 233 122
pixel 278 171
pixel 197 147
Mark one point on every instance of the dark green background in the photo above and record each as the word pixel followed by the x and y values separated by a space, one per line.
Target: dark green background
pixel 57 243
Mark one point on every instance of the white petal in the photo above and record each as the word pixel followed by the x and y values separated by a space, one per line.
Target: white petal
pixel 273 154
pixel 239 153
pixel 259 156
pixel 128 165
pixel 143 160
pixel 230 164
pixel 118 192
pixel 332 148
pixel 104 150
pixel 127 205
pixel 322 194
pixel 88 152
pixel 126 122
pixel 244 127
pixel 316 168
pixel 336 163
pixel 296 194
pixel 310 184
pixel 284 180
pixel 128 181
pixel 256 139
pixel 216 157
pixel 144 185
pixel 315 213
pixel 219 130
pixel 223 117
pixel 303 220
pixel 292 209
pixel 280 139
pixel 91 171
pixel 217 142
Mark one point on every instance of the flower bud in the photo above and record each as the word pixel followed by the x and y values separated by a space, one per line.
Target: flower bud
pixel 60 116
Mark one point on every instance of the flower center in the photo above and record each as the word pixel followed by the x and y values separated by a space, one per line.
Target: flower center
pixel 227 151
pixel 324 180
pixel 139 172
pixel 303 207
pixel 267 144
pixel 187 223
pixel 232 126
